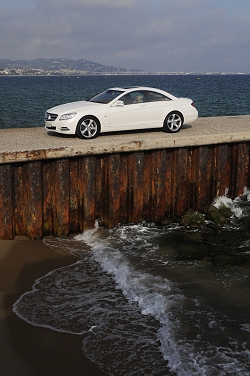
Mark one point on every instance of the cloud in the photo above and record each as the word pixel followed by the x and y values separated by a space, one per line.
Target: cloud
pixel 109 4
pixel 131 54
pixel 156 36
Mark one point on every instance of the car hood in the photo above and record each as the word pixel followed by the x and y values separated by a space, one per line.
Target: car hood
pixel 73 106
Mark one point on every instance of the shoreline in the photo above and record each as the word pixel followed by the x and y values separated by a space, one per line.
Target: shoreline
pixel 96 74
pixel 27 350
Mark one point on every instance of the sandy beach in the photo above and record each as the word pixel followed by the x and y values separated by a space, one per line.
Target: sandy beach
pixel 26 350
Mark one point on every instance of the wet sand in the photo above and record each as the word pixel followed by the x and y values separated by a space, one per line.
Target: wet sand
pixel 26 350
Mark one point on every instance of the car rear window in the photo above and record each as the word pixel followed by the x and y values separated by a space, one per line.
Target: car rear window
pixel 153 96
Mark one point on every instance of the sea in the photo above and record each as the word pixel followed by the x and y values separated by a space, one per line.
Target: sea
pixel 24 100
pixel 146 299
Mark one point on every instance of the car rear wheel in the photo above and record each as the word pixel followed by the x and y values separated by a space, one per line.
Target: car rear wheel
pixel 173 122
pixel 88 127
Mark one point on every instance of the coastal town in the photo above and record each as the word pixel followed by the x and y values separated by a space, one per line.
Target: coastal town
pixel 70 67
pixel 58 67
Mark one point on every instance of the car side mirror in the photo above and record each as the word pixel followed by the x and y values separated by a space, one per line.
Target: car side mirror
pixel 118 104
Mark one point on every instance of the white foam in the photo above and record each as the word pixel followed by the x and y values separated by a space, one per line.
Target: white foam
pixel 154 295
pixel 245 327
pixel 233 205
pixel 186 330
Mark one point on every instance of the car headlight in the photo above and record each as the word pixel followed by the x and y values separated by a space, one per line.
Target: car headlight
pixel 68 116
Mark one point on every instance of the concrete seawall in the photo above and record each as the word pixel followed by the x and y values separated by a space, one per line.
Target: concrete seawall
pixel 27 144
pixel 52 184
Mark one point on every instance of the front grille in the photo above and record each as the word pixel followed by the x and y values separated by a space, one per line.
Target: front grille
pixel 50 117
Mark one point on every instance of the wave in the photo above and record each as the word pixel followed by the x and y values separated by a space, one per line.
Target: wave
pixel 139 310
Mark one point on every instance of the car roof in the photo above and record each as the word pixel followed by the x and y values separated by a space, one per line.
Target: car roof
pixel 127 88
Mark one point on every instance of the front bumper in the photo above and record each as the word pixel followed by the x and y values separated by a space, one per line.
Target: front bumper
pixel 55 127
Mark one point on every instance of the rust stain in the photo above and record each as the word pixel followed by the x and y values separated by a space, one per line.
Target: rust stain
pixel 29 155
pixel 41 196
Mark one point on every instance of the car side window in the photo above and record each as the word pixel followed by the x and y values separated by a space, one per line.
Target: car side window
pixel 127 99
pixel 152 96
pixel 134 97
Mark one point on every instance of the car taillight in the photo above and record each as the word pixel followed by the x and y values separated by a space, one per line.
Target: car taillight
pixel 192 104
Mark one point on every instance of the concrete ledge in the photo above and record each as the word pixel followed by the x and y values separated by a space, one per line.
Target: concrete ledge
pixel 27 144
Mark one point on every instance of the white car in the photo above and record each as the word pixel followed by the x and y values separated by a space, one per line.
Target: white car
pixel 121 109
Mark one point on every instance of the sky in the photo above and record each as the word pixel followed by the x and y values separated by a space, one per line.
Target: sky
pixel 151 35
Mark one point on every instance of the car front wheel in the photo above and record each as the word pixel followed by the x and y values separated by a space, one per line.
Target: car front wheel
pixel 173 122
pixel 88 127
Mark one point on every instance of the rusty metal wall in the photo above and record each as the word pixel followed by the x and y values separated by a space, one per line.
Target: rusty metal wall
pixel 63 196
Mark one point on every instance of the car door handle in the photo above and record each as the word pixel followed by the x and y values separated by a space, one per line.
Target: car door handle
pixel 144 105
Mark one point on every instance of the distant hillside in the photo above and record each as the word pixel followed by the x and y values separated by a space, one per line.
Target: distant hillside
pixel 55 65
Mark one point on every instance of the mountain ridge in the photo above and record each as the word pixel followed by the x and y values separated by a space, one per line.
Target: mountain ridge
pixel 61 65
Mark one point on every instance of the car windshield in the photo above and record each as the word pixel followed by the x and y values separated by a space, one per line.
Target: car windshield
pixel 106 96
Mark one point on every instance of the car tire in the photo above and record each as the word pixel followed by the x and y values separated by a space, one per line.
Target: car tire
pixel 88 127
pixel 173 122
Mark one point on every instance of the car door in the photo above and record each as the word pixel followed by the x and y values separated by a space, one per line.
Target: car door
pixel 130 112
pixel 158 105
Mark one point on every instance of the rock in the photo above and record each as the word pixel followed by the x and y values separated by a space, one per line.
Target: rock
pixel 225 211
pixel 213 214
pixel 193 218
pixel 167 221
